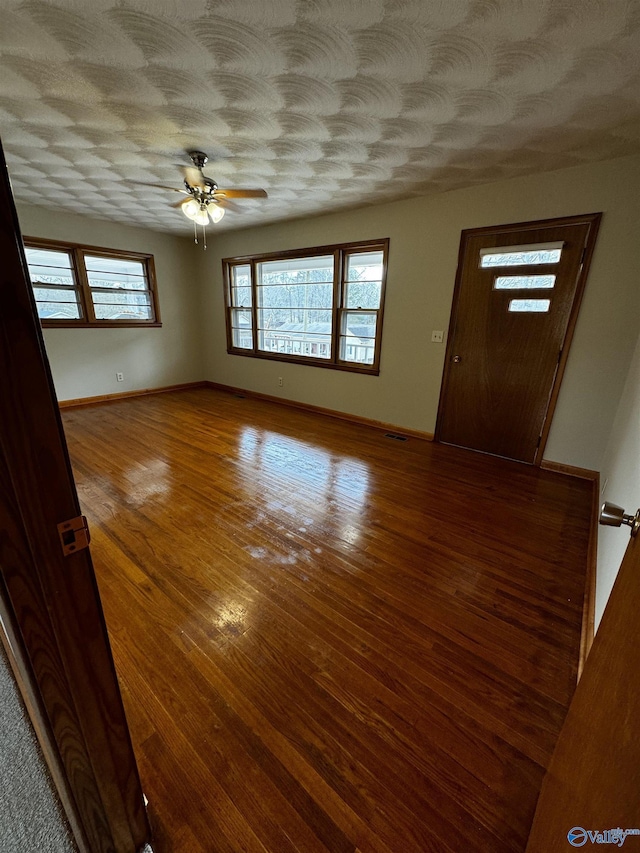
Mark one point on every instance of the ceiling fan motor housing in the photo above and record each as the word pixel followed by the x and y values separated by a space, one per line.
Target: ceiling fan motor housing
pixel 198 158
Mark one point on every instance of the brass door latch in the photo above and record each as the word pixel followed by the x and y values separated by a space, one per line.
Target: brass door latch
pixel 74 535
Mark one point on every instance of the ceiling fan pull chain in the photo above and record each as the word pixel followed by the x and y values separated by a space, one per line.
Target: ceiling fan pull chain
pixel 195 232
pixel 204 237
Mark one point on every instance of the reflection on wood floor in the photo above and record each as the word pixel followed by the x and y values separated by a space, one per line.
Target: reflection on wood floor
pixel 328 640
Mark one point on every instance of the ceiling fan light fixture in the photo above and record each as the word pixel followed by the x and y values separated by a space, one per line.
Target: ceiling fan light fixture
pixel 216 212
pixel 205 201
pixel 201 217
pixel 191 209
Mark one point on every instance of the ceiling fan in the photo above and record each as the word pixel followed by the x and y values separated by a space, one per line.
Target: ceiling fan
pixel 206 200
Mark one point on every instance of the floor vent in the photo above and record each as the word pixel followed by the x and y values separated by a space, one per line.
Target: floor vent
pixel 395 436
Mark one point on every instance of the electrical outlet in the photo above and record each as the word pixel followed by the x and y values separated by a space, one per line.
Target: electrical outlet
pixel 280 381
pixel 119 377
pixel 437 337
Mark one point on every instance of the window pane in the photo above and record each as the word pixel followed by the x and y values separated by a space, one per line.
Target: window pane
pixel 123 312
pixel 363 294
pixel 524 282
pixel 115 273
pixel 357 350
pixel 241 328
pixel 516 256
pixel 119 266
pixel 49 267
pixel 240 319
pixel 127 298
pixel 295 298
pixel 359 324
pixel 48 258
pixel 310 337
pixel 529 306
pixel 51 275
pixel 364 266
pixel 54 294
pixel 241 297
pixel 290 296
pixel 296 271
pixel 314 342
pixel 241 276
pixel 301 319
pixel 116 281
pixel 58 310
pixel 242 338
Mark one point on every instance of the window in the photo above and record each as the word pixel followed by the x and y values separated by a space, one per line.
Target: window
pixel 517 256
pixel 529 306
pixel 321 306
pixel 86 286
pixel 524 282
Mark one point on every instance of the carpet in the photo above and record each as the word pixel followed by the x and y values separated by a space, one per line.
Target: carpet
pixel 31 816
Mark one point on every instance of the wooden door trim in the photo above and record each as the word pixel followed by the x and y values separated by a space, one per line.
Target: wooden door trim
pixel 453 317
pixel 57 621
pixel 591 219
pixel 587 632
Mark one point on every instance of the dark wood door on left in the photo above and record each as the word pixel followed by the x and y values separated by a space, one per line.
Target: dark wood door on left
pixel 58 635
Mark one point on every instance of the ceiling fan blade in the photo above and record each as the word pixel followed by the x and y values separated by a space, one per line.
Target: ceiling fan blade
pixel 223 202
pixel 160 187
pixel 224 193
pixel 193 176
pixel 178 203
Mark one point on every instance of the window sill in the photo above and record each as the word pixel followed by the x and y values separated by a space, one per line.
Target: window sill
pixel 310 362
pixel 106 324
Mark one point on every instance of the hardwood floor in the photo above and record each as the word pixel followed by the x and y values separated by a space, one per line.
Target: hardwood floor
pixel 328 640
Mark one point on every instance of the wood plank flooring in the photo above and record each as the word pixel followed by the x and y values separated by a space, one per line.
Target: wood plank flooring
pixel 328 640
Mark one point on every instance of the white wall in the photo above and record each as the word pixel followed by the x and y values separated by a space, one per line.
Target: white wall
pixel 84 362
pixel 620 479
pixel 425 235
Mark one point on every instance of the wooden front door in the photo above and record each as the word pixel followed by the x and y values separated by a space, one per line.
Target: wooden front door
pixel 52 618
pixel 516 301
pixel 593 781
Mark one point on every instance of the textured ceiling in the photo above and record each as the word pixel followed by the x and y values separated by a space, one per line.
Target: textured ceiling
pixel 324 103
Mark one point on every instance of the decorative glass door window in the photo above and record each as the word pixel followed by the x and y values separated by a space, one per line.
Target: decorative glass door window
pixel 518 256
pixel 524 282
pixel 529 306
pixel 535 255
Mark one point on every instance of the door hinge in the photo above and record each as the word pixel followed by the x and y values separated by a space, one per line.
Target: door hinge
pixel 74 535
